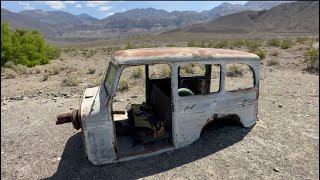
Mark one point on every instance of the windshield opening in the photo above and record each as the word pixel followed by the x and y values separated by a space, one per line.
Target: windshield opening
pixel 110 78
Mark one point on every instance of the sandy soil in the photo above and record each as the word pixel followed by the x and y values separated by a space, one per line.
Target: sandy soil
pixel 284 144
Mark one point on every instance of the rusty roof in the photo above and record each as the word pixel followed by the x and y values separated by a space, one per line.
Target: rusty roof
pixel 178 54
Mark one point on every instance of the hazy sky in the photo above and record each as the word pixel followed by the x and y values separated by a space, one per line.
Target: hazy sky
pixel 102 9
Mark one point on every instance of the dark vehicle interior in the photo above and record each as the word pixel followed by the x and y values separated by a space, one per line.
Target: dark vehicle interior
pixel 147 127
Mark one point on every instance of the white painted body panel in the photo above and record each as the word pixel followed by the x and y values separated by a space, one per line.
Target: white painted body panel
pixel 190 113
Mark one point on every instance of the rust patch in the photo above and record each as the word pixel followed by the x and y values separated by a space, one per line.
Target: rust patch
pixel 167 52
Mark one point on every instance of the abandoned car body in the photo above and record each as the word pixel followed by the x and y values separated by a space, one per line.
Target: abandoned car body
pixel 176 109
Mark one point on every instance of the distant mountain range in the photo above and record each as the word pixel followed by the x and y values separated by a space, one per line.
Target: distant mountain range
pixel 300 16
pixel 55 24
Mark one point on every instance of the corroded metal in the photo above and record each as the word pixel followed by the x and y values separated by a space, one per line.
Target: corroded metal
pixel 72 117
pixel 163 55
pixel 191 113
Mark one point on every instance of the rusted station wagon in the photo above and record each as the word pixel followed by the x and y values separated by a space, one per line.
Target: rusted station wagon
pixel 175 109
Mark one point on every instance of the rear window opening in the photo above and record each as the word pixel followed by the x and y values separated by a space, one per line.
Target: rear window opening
pixel 143 121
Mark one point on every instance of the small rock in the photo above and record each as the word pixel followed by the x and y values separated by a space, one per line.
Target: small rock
pixel 71 108
pixel 40 92
pixel 280 106
pixel 54 95
pixel 60 105
pixel 134 96
pixel 307 115
pixel 54 98
pixel 276 169
pixel 28 117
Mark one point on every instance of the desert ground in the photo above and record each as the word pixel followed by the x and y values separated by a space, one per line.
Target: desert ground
pixel 283 144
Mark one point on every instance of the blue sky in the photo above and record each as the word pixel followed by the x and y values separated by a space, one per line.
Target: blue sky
pixel 102 9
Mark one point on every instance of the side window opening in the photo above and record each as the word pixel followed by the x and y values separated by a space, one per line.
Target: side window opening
pixel 142 109
pixel 238 76
pixel 195 79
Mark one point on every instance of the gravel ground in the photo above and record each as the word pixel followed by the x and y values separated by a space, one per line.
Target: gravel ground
pixel 284 144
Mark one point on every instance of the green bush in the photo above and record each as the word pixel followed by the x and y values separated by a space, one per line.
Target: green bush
pixel 253 45
pixel 221 44
pixel 272 62
pixel 129 45
pixel 191 43
pixel 9 74
pixel 137 73
pixel 274 42
pixel 26 47
pixel 91 71
pixel 259 53
pixel 311 59
pixel 302 39
pixel 234 71
pixel 123 85
pixel 238 43
pixel 170 45
pixel 285 44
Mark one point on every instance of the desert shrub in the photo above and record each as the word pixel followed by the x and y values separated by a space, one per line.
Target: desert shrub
pixel 165 71
pixel 137 73
pixel 274 53
pixel 170 45
pixel 129 45
pixel 26 47
pixel 285 44
pixel 259 52
pixel 21 69
pixel 88 53
pixel 91 71
pixel 123 85
pixel 10 74
pixel 220 44
pixel 188 69
pixel 54 70
pixel 234 71
pixel 45 77
pixel 9 64
pixel 238 43
pixel 96 82
pixel 191 43
pixel 311 59
pixel 302 39
pixel 272 62
pixel 37 70
pixel 253 45
pixel 62 68
pixel 274 42
pixel 71 80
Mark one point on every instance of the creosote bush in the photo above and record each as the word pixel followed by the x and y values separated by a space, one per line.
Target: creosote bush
pixel 91 71
pixel 123 85
pixel 137 73
pixel 26 47
pixel 71 80
pixel 272 62
pixel 285 44
pixel 234 71
pixel 10 74
pixel 259 52
pixel 274 42
pixel 311 59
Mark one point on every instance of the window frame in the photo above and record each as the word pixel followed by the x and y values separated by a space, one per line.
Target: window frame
pixel 202 63
pixel 253 77
pixel 106 76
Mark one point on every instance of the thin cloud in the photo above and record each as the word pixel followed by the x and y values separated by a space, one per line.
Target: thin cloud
pixel 78 6
pixel 26 6
pixel 104 8
pixel 96 3
pixel 69 2
pixel 55 4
